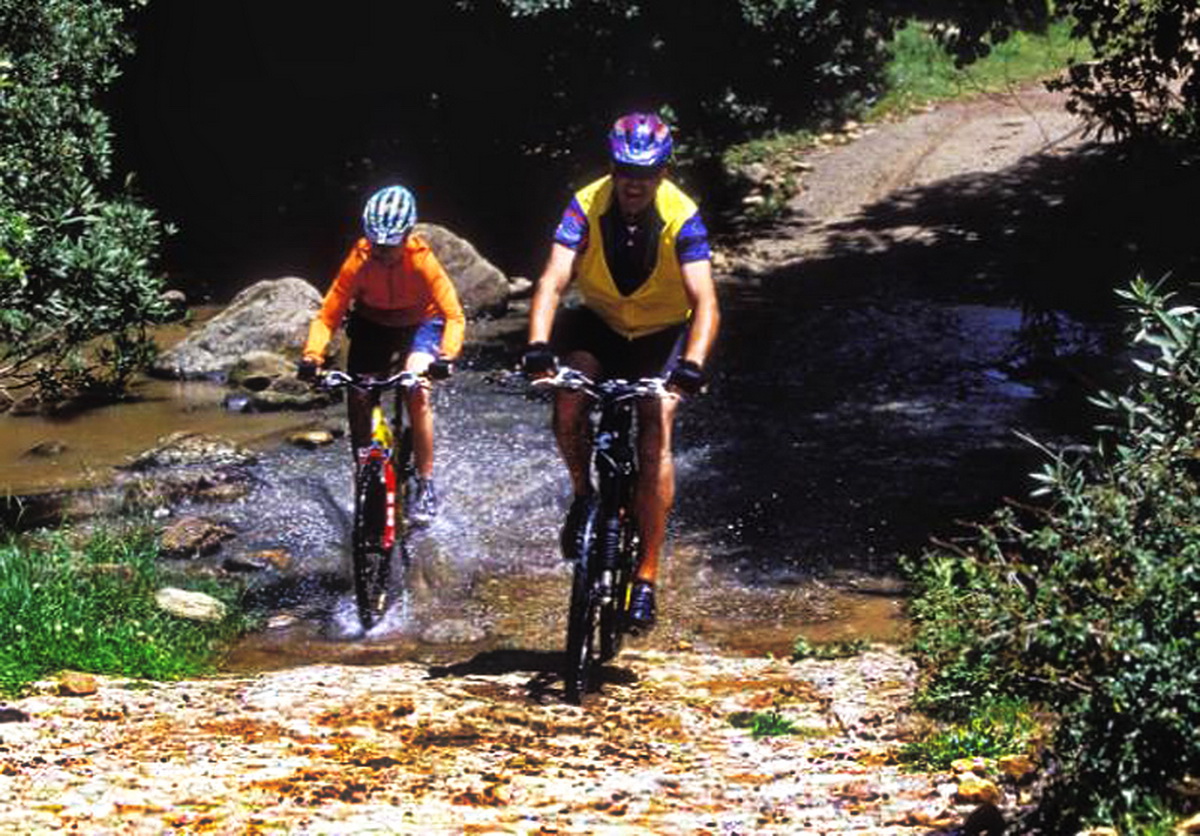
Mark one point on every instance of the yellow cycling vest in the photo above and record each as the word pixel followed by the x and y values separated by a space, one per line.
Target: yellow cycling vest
pixel 661 301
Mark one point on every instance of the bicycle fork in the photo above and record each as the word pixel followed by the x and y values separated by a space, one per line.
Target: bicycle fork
pixel 617 468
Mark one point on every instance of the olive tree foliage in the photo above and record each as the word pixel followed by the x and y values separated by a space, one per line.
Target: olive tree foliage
pixel 740 66
pixel 721 70
pixel 76 281
pixel 1145 78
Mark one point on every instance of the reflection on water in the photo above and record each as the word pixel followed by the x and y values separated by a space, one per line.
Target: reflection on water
pixel 94 441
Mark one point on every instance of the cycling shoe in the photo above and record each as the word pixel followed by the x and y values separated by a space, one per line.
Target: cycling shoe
pixel 424 505
pixel 641 607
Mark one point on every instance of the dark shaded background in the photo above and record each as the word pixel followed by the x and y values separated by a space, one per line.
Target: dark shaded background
pixel 259 129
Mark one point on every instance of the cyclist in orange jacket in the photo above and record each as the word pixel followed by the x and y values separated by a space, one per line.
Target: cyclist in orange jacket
pixel 638 251
pixel 402 311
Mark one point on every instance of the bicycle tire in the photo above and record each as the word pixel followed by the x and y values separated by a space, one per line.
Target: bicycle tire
pixel 372 558
pixel 614 614
pixel 581 620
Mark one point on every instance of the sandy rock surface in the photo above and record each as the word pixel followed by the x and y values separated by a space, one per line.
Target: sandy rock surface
pixel 412 749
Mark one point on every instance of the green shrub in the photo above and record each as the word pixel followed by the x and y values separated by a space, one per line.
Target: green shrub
pixel 1090 604
pixel 1005 727
pixel 90 607
pixel 75 250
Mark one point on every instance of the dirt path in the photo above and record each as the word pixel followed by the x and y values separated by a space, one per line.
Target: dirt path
pixel 958 139
pixel 485 745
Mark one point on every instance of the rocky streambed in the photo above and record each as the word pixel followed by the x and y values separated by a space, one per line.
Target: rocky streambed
pixel 487 746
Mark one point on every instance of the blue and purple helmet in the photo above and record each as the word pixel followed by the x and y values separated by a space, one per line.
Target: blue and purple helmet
pixel 389 215
pixel 640 139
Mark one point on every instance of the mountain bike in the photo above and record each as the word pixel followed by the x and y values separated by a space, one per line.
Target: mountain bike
pixel 608 541
pixel 384 473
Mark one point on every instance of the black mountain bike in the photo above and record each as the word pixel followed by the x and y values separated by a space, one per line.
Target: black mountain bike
pixel 381 486
pixel 608 541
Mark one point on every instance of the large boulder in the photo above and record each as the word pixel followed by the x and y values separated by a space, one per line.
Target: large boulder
pixel 271 315
pixel 482 288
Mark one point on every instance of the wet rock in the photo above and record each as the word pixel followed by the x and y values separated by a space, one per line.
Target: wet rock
pixel 271 315
pixel 174 304
pixel 966 765
pixel 1191 825
pixel 935 816
pixel 192 448
pixel 482 288
pixel 47 449
pixel 1017 767
pixel 257 370
pixel 287 393
pixel 193 537
pixel 195 606
pixel 984 820
pixel 519 287
pixel 259 561
pixel 311 439
pixel 159 490
pixel 27 405
pixel 453 631
pixel 243 564
pixel 975 790
pixel 76 684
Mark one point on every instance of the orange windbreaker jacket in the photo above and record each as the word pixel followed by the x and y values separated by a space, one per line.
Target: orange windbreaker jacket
pixel 412 289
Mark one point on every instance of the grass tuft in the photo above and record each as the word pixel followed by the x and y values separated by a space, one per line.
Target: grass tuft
pixel 87 604
pixel 921 71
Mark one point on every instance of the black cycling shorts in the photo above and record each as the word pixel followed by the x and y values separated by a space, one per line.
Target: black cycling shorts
pixel 384 349
pixel 654 355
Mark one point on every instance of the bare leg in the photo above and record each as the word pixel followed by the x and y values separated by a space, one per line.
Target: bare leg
pixel 571 429
pixel 656 481
pixel 420 416
pixel 358 414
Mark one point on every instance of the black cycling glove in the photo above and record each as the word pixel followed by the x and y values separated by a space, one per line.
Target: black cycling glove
pixel 687 377
pixel 538 359
pixel 306 370
pixel 440 369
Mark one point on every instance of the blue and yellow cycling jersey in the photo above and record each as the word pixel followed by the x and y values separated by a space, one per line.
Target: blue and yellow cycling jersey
pixel 633 299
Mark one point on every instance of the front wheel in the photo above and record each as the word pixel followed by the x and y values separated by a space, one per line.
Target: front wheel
pixel 582 618
pixel 614 614
pixel 374 522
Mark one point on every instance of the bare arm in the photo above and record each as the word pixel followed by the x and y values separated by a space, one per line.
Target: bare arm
pixel 550 287
pixel 706 314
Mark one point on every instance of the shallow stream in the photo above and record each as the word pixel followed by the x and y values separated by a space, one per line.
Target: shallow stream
pixel 837 433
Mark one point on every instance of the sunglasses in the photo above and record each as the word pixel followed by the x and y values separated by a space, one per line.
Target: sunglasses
pixel 636 172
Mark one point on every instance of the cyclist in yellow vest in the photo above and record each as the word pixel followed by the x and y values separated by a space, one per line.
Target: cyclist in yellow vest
pixel 638 251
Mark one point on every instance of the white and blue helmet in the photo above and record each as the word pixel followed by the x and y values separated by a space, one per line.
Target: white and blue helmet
pixel 389 216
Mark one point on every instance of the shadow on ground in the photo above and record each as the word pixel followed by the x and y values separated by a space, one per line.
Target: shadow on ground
pixel 866 397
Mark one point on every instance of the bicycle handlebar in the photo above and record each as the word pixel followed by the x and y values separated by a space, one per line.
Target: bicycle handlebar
pixel 334 379
pixel 613 388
